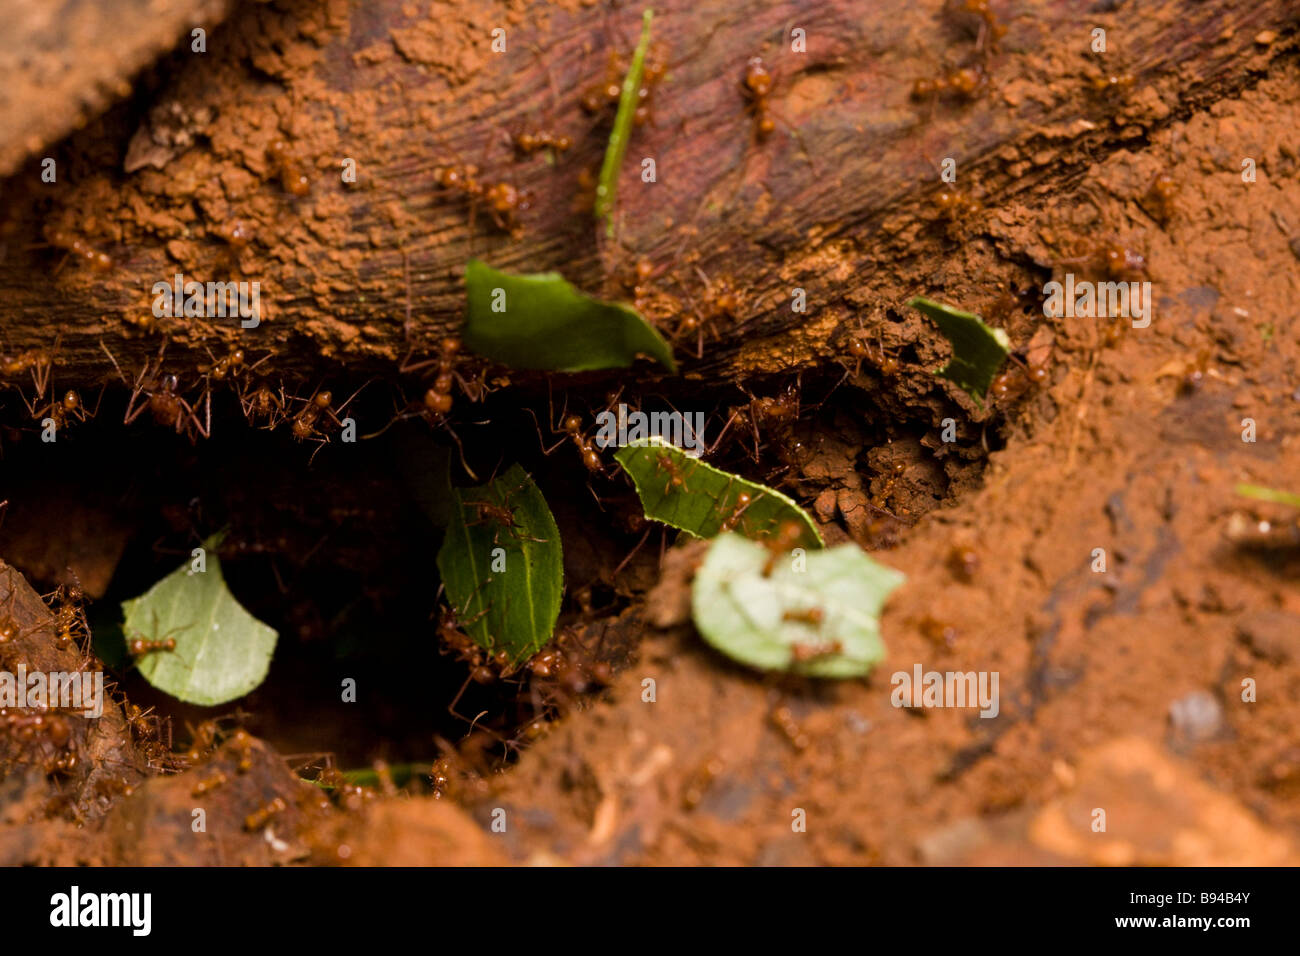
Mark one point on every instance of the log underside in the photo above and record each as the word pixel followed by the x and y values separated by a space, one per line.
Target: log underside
pixel 838 201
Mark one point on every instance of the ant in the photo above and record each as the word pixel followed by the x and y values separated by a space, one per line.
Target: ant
pixel 606 93
pixel 720 301
pixel 528 143
pixel 881 498
pixel 989 29
pixel 676 479
pixel 69 617
pixel 963 84
pixel 806 653
pixel 65 409
pixel 1159 198
pixel 787 538
pixel 208 784
pixel 1112 86
pixel 138 647
pixel 263 403
pixel 1113 261
pixel 263 814
pixel 757 87
pixel 955 209
pixel 306 421
pixel 501 516
pixel 738 508
pixel 168 407
pixel 1031 373
pixel 504 201
pixel 98 261
pixel 571 429
pixel 292 178
pixel 456 641
pixel 232 366
pixel 438 398
pixel 778 413
pixel 860 350
pixel 812 616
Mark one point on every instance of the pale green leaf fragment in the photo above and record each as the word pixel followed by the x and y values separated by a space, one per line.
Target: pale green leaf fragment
pixel 815 613
pixel 222 652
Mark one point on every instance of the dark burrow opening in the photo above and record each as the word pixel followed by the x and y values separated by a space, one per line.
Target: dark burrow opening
pixel 335 545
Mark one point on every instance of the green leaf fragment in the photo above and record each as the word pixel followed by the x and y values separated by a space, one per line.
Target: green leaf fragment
pixel 504 582
pixel 543 322
pixel 607 184
pixel 222 652
pixel 706 501
pixel 1260 493
pixel 978 350
pixel 817 615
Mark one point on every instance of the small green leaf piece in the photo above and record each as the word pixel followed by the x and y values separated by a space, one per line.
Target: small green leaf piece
pixel 704 501
pixel 222 652
pixel 504 582
pixel 816 614
pixel 607 184
pixel 978 351
pixel 543 322
pixel 1260 493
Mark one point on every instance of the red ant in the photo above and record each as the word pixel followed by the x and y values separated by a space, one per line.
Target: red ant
pixel 776 414
pixel 528 143
pixel 571 429
pixel 609 90
pixel 504 201
pixel 806 653
pixel 306 421
pixel 438 398
pixel 292 178
pixel 720 301
pixel 757 87
pixel 860 351
pixel 232 366
pixel 500 516
pixel 1030 374
pixel 1159 198
pixel 64 410
pixel 98 261
pixel 168 407
pixel 676 479
pixel 787 538
pixel 989 27
pixel 1113 261
pixel 262 403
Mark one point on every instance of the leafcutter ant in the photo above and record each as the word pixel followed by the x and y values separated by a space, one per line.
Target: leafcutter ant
pixel 163 400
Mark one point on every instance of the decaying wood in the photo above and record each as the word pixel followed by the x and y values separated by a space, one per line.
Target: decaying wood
pixel 64 63
pixel 836 201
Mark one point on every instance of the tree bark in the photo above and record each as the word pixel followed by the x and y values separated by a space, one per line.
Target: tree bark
pixel 837 201
pixel 65 63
